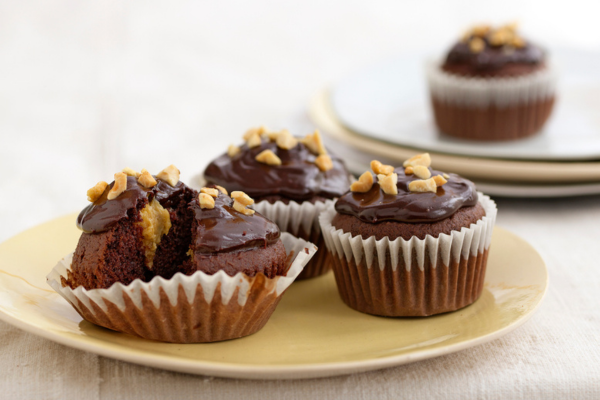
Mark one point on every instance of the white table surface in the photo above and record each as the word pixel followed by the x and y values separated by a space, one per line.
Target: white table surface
pixel 87 88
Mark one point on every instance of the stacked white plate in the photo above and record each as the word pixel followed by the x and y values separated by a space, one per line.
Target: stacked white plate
pixel 383 112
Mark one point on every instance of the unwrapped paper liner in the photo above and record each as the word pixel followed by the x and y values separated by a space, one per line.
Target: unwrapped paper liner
pixel 301 220
pixel 494 91
pixel 415 277
pixel 186 309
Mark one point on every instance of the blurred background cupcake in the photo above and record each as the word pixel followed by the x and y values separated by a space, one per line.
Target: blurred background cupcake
pixel 492 85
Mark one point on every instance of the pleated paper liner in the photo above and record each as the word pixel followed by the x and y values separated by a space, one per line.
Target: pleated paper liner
pixel 301 220
pixel 491 108
pixel 416 277
pixel 187 309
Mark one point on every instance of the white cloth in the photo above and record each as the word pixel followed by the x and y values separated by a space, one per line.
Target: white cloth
pixel 91 87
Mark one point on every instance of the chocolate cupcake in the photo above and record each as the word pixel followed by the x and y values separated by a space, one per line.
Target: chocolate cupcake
pixel 292 180
pixel 412 242
pixel 492 85
pixel 161 261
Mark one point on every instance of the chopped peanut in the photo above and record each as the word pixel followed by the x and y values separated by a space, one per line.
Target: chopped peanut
pixel 210 191
pixel 242 208
pixel 233 150
pixel 421 172
pixel 363 184
pixel 439 180
pixel 420 159
pixel 285 140
pixel 130 172
pixel 206 201
pixel 380 168
pixel 146 179
pixel 427 185
pixel 119 186
pixel 94 193
pixel 242 198
pixel 314 143
pixel 169 175
pixel 254 141
pixel 388 183
pixel 222 189
pixel 324 162
pixel 268 157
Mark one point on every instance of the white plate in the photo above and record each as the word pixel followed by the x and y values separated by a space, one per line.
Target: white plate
pixel 390 102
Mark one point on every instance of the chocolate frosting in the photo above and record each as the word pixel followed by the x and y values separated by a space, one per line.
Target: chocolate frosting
pixel 376 206
pixel 222 228
pixel 297 178
pixel 102 214
pixel 492 59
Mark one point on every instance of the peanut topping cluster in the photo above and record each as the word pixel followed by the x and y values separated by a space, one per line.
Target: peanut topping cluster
pixel 241 201
pixel 480 36
pixel 388 179
pixel 144 178
pixel 285 141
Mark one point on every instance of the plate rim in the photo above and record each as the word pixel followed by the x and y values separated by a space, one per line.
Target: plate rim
pixel 279 371
pixel 322 115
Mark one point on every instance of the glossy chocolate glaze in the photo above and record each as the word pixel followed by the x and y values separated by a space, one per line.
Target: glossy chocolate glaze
pixel 492 58
pixel 298 178
pixel 376 206
pixel 102 214
pixel 222 228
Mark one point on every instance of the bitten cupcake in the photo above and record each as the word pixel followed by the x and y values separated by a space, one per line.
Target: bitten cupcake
pixel 492 85
pixel 292 180
pixel 410 242
pixel 161 261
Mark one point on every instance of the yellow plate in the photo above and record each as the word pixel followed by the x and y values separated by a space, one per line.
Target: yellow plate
pixel 485 169
pixel 311 334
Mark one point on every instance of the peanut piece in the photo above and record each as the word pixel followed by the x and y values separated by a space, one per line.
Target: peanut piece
pixel 324 162
pixel 119 186
pixel 242 198
pixel 94 193
pixel 363 184
pixel 409 171
pixel 421 172
pixel 233 150
pixel 222 189
pixel 476 45
pixel 379 168
pixel 254 141
pixel 169 175
pixel 388 183
pixel 210 191
pixel 261 130
pixel 439 180
pixel 427 185
pixel 146 179
pixel 268 157
pixel 206 201
pixel 239 207
pixel 420 159
pixel 130 172
pixel 314 143
pixel 285 140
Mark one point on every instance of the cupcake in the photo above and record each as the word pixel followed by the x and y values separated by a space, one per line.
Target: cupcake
pixel 161 261
pixel 492 85
pixel 410 241
pixel 292 180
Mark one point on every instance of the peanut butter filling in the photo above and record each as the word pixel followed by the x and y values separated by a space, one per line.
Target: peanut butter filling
pixel 155 223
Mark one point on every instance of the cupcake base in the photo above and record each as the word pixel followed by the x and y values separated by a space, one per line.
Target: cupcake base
pixel 197 308
pixel 410 293
pixel 492 123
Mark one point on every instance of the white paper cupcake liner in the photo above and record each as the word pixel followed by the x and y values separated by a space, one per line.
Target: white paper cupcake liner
pixel 301 220
pixel 485 92
pixel 186 309
pixel 415 277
